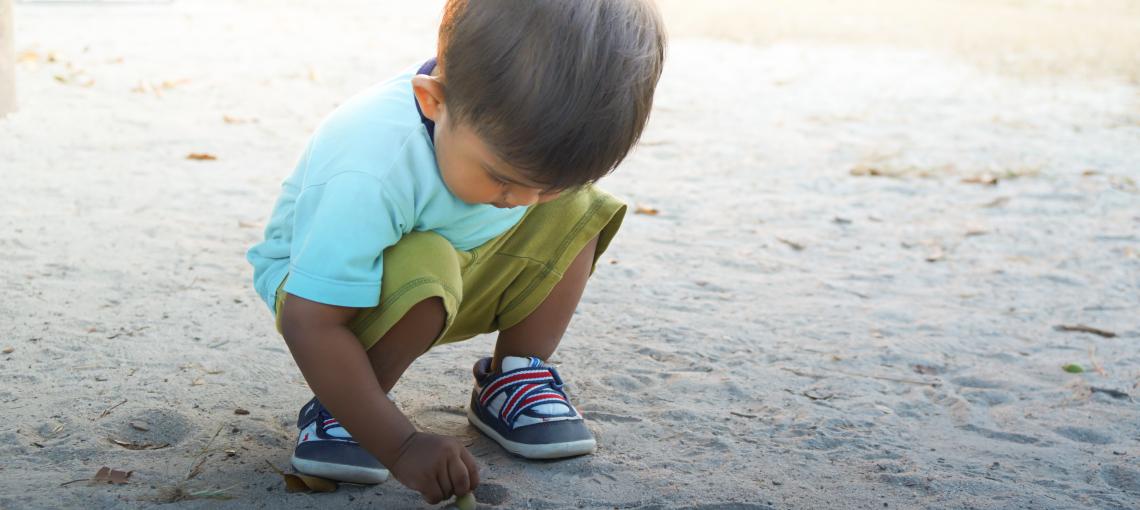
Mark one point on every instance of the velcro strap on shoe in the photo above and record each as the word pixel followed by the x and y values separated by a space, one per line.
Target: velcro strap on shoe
pixel 528 397
pixel 309 413
pixel 508 380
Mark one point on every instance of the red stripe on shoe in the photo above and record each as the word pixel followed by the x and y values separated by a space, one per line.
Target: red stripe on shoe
pixel 542 397
pixel 535 375
pixel 510 404
pixel 538 399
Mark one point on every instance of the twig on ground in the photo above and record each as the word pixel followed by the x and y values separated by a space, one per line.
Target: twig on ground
pixel 64 484
pixel 1081 328
pixel 1096 364
pixel 794 245
pixel 108 410
pixel 202 455
pixel 1110 392
pixel 879 377
pixel 180 493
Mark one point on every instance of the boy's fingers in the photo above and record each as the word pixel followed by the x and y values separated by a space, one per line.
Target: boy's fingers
pixel 472 468
pixel 460 481
pixel 444 482
pixel 432 493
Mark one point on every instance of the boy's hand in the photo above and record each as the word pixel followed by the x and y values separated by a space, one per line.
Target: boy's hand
pixel 436 466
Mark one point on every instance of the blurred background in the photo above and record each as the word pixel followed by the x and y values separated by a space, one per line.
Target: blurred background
pixel 865 233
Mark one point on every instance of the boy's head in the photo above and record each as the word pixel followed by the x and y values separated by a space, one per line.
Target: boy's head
pixel 532 97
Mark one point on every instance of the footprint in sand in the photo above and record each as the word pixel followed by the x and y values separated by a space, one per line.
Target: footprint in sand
pixel 625 382
pixel 726 506
pixel 1004 436
pixel 976 382
pixel 1083 435
pixel 491 494
pixel 1120 477
pixel 449 420
pixel 153 427
pixel 987 397
pixel 609 418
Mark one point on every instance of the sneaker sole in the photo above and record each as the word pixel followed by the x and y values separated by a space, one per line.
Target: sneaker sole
pixel 340 472
pixel 534 451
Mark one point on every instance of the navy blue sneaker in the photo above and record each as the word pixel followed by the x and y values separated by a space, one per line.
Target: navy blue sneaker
pixel 325 449
pixel 526 411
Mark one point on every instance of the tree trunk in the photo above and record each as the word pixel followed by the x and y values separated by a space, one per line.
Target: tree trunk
pixel 7 60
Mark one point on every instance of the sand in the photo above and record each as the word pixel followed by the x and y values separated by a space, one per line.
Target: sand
pixel 834 307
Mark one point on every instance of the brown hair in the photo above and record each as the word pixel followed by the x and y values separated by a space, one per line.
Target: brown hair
pixel 560 89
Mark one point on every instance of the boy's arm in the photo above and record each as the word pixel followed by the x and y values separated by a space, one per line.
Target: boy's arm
pixel 337 369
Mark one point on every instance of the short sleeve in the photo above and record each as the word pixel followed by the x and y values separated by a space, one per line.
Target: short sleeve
pixel 340 230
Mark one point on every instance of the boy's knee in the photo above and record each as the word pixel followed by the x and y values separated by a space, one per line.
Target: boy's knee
pixel 413 334
pixel 416 245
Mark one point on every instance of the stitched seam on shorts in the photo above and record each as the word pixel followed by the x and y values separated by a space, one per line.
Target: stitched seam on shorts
pixel 404 290
pixel 547 266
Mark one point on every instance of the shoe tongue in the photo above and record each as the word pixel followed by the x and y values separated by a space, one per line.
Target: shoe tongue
pixel 514 363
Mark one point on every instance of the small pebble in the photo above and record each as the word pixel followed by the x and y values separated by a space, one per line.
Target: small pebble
pixel 466 501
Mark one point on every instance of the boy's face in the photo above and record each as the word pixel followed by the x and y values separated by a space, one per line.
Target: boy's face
pixel 475 175
pixel 467 165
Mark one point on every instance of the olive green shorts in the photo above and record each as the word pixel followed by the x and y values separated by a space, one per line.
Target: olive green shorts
pixel 495 285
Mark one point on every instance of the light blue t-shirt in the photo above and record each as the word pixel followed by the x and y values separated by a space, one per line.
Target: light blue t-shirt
pixel 367 177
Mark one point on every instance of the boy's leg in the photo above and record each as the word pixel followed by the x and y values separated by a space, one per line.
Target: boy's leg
pixel 518 401
pixel 539 334
pixel 409 338
pixel 324 447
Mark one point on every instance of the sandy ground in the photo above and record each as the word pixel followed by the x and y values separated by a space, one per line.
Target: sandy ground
pixel 826 313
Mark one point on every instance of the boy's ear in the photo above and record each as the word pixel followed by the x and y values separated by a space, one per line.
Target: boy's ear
pixel 429 93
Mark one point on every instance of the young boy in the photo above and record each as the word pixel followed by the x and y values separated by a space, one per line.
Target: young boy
pixel 448 202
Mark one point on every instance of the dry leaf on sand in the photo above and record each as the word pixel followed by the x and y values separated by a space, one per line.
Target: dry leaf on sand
pixel 794 245
pixel 28 57
pixel 131 445
pixel 230 119
pixel 987 179
pixel 296 482
pixel 936 254
pixel 646 210
pixel 113 476
pixel 201 156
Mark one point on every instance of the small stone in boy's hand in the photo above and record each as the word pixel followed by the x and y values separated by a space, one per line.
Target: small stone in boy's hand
pixel 465 502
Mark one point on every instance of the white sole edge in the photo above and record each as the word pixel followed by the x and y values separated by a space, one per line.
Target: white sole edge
pixel 531 451
pixel 340 472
